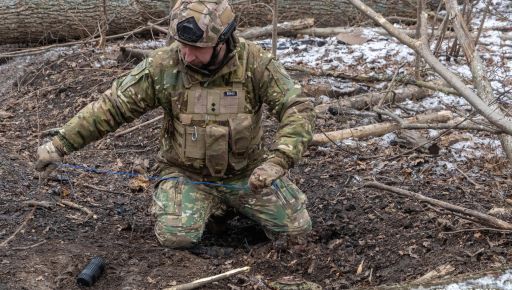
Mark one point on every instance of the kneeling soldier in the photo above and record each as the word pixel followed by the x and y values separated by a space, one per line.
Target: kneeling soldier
pixel 212 86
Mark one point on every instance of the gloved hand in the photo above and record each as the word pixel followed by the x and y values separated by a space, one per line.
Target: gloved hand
pixel 48 155
pixel 264 175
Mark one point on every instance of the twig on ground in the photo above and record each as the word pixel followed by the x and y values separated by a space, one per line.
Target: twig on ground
pixel 35 203
pixel 476 216
pixel 467 177
pixel 477 229
pixel 29 247
pixel 79 207
pixel 138 126
pixel 103 189
pixel 201 282
pixel 28 217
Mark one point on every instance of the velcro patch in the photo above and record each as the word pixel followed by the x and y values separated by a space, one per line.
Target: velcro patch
pixel 230 93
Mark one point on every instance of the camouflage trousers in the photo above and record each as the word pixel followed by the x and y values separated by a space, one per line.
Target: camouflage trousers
pixel 182 209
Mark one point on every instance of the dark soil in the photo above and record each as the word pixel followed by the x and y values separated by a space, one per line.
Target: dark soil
pixel 361 237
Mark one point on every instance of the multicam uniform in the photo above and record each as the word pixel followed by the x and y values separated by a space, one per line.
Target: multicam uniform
pixel 212 132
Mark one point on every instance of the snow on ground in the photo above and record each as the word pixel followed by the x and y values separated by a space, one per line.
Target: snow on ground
pixel 383 55
pixel 503 281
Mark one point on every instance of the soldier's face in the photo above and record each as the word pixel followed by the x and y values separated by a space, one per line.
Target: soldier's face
pixel 196 56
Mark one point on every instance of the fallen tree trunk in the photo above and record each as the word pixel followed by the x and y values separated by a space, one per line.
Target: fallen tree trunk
pixel 362 102
pixel 44 21
pixel 325 12
pixel 255 32
pixel 379 129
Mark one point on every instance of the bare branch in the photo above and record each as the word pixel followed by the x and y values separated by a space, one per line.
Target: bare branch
pixel 475 215
pixel 488 110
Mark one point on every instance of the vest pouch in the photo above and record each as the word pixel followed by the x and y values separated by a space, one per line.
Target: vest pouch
pixel 195 142
pixel 217 149
pixel 240 128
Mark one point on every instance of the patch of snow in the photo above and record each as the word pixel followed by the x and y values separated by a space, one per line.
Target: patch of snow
pixel 443 166
pixel 386 140
pixel 324 99
pixel 352 143
pixel 152 44
pixel 502 282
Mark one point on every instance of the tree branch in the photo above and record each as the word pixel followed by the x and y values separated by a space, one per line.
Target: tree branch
pixel 489 111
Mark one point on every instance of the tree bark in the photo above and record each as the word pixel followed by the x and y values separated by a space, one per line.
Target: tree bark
pixel 254 32
pixel 325 12
pixel 25 21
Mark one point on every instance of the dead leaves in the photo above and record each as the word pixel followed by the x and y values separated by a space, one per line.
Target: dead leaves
pixel 139 183
pixel 5 115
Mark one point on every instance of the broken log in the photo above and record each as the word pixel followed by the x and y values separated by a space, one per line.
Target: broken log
pixel 379 129
pixel 255 32
pixel 365 101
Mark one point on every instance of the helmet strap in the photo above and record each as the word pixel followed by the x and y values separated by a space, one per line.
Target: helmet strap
pixel 214 57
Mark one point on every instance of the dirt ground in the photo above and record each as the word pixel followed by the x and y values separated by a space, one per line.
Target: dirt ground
pixel 361 237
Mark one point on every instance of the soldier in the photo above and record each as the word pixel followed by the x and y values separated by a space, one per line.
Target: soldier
pixel 212 86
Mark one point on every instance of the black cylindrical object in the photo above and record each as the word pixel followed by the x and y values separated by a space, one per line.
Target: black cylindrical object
pixel 91 272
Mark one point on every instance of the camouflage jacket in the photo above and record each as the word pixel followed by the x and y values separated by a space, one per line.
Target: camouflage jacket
pixel 224 109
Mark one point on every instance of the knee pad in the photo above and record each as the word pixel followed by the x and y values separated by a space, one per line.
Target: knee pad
pixel 175 241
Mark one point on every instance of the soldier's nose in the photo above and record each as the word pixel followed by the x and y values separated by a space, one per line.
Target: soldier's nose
pixel 188 56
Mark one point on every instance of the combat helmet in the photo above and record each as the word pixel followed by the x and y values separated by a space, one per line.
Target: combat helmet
pixel 203 23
